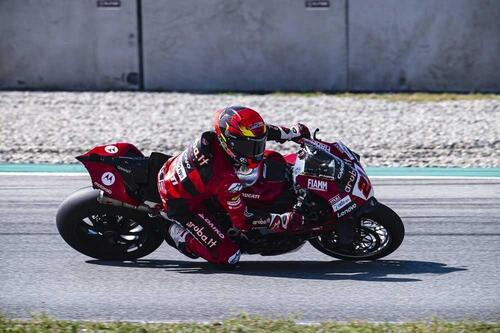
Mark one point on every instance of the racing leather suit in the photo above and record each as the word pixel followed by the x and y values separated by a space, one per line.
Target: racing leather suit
pixel 201 172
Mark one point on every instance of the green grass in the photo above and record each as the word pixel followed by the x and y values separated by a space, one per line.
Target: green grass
pixel 402 97
pixel 425 97
pixel 241 324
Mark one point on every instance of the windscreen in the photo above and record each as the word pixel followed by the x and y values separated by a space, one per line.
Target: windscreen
pixel 320 162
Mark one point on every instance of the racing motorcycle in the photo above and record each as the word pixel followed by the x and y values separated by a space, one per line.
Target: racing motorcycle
pixel 120 216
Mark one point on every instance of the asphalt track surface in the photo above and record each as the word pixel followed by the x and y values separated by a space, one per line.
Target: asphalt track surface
pixel 448 265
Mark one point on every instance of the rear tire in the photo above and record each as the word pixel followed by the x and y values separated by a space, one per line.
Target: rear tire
pixel 106 232
pixel 382 228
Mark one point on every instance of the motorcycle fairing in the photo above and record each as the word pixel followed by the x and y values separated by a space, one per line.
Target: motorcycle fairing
pixel 333 172
pixel 105 176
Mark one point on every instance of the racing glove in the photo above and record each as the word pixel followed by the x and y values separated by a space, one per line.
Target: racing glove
pixel 282 134
pixel 299 131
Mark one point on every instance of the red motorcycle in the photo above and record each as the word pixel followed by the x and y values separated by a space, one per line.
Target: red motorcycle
pixel 120 217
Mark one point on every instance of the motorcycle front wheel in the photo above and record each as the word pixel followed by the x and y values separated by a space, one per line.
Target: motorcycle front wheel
pixel 106 232
pixel 379 234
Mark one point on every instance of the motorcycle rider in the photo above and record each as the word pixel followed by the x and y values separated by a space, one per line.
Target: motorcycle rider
pixel 208 168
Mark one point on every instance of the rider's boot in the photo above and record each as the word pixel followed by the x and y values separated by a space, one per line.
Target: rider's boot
pixel 176 237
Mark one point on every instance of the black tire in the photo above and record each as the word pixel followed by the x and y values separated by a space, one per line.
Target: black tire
pixel 106 232
pixel 383 245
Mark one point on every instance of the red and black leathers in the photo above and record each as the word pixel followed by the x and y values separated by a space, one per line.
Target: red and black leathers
pixel 201 172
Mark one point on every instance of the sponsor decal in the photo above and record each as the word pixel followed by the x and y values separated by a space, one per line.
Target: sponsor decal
pixel 198 232
pixel 320 145
pixel 235 188
pixel 251 195
pixel 179 169
pixel 111 149
pixel 109 3
pixel 341 203
pixel 317 4
pixel 235 202
pixel 279 222
pixel 123 169
pixel 347 210
pixel 199 157
pixel 185 160
pixel 335 199
pixel 275 222
pixel 256 125
pixel 108 178
pixel 261 222
pixel 341 170
pixel 317 184
pixel 105 189
pixel 212 226
pixel 350 182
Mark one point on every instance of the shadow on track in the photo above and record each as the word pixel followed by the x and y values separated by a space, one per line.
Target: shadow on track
pixel 308 270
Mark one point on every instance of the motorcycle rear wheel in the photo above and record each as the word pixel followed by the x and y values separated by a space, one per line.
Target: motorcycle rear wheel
pixel 381 232
pixel 106 232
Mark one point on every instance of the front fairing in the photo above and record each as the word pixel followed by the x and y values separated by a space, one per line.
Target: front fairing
pixel 333 173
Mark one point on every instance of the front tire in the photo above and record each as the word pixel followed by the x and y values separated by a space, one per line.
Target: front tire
pixel 107 232
pixel 380 233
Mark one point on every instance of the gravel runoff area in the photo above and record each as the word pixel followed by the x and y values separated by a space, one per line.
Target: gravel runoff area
pixel 53 127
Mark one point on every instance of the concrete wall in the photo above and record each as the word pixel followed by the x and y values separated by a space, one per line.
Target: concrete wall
pixel 433 45
pixel 62 44
pixel 250 45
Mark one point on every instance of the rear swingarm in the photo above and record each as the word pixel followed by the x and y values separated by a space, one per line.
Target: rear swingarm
pixel 102 199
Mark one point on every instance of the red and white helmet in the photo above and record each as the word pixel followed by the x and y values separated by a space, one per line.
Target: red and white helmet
pixel 242 134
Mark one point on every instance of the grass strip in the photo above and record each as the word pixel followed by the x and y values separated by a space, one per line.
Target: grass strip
pixel 423 97
pixel 243 323
pixel 400 97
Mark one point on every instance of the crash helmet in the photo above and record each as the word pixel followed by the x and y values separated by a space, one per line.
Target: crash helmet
pixel 242 134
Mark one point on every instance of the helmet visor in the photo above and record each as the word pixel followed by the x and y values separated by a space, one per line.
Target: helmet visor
pixel 249 147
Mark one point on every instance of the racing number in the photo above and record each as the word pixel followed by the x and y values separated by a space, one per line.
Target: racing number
pixel 364 186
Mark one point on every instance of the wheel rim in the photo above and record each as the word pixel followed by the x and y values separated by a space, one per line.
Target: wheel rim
pixel 371 239
pixel 114 231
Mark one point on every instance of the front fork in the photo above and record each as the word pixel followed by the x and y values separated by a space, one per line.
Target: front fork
pixel 347 229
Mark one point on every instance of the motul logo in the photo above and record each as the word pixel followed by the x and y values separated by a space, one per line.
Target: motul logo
pixel 316 184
